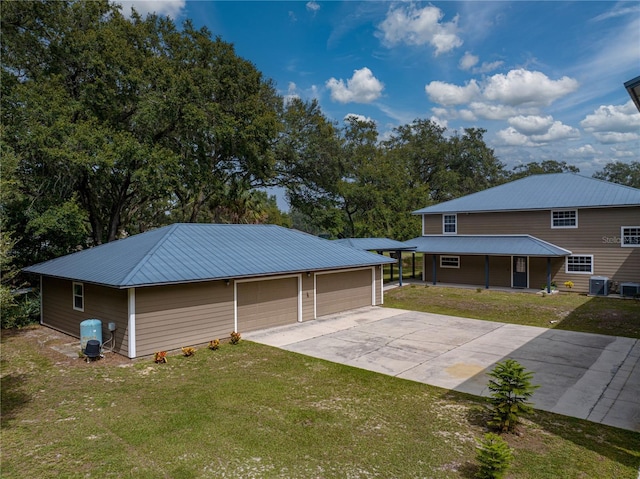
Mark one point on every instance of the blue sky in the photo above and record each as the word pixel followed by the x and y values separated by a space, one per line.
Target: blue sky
pixel 545 79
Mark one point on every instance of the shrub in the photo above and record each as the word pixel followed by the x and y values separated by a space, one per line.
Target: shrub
pixel 188 351
pixel 495 457
pixel 235 337
pixel 214 345
pixel 568 284
pixel 510 388
pixel 160 357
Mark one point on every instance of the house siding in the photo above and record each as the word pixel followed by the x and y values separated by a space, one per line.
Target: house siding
pixel 100 302
pixel 379 286
pixel 173 316
pixel 597 234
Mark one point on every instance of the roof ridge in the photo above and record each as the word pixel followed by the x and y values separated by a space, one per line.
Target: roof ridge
pixel 147 256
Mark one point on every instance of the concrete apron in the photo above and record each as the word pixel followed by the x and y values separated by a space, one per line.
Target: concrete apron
pixel 588 376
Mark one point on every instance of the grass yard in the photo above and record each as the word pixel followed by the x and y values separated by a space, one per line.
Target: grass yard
pixel 251 411
pixel 569 311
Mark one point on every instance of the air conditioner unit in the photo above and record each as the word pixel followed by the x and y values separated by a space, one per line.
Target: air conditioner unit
pixel 599 286
pixel 629 290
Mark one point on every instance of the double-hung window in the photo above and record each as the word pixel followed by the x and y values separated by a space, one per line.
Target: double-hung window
pixel 582 264
pixel 78 296
pixel 449 224
pixel 450 261
pixel 564 219
pixel 630 236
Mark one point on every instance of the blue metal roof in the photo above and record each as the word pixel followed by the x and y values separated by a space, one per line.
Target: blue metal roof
pixel 197 252
pixel 374 244
pixel 493 245
pixel 557 190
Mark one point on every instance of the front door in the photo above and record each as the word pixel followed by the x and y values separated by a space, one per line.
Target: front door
pixel 520 276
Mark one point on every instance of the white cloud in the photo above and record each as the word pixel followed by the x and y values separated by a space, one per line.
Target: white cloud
pixel 585 151
pixel 170 8
pixel 349 117
pixel 493 112
pixel 613 118
pixel 468 61
pixel 621 153
pixel 557 132
pixel 488 67
pixel 615 137
pixel 292 92
pixel 419 26
pixel 313 7
pixel 532 124
pixel 440 122
pixel 524 87
pixel 510 136
pixel 362 87
pixel 448 94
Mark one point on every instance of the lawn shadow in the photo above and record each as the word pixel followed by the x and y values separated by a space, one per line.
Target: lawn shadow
pixel 12 397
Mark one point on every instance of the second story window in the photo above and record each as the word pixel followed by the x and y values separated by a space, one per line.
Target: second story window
pixel 449 224
pixel 564 219
pixel 630 236
pixel 78 296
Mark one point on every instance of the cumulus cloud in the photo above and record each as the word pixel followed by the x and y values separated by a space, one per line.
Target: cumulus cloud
pixel 613 118
pixel 521 87
pixel 468 61
pixel 552 132
pixel 292 92
pixel 532 124
pixel 362 87
pixel 487 67
pixel 313 7
pixel 489 111
pixel 510 136
pixel 447 94
pixel 351 117
pixel 585 151
pixel 170 8
pixel 610 137
pixel 419 26
pixel 557 131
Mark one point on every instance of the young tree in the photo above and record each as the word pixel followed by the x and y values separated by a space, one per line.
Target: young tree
pixel 511 389
pixel 494 456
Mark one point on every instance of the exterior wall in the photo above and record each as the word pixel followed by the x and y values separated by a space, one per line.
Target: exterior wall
pixel 379 286
pixel 100 302
pixel 308 309
pixel 173 316
pixel 471 271
pixel 597 234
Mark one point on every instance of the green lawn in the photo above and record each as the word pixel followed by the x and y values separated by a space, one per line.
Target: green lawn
pixel 570 311
pixel 252 411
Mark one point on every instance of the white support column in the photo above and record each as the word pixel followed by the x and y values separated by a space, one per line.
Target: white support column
pixel 132 322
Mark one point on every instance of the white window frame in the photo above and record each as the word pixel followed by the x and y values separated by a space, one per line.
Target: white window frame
pixel 622 237
pixel 74 296
pixel 554 226
pixel 566 269
pixel 455 224
pixel 449 257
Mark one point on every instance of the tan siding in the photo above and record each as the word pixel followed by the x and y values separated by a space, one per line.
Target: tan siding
pixel 597 234
pixel 100 302
pixel 307 298
pixel 379 286
pixel 267 303
pixel 173 316
pixel 337 292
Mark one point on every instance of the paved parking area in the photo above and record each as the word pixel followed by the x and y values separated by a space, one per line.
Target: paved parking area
pixel 589 376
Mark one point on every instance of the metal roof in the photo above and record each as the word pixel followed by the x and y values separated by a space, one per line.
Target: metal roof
pixel 197 252
pixel 633 87
pixel 492 245
pixel 556 190
pixel 375 244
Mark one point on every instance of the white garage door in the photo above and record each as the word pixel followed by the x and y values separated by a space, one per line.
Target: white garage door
pixel 268 303
pixel 337 292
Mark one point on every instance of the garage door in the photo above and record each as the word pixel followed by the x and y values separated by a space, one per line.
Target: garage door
pixel 337 292
pixel 263 304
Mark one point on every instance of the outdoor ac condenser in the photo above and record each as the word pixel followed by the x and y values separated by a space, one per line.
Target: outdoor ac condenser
pixel 629 290
pixel 599 286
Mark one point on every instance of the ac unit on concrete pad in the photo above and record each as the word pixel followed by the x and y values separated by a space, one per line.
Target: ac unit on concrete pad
pixel 599 286
pixel 629 290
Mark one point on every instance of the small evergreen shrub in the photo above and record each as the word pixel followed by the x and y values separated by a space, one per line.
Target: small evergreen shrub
pixel 160 357
pixel 495 457
pixel 511 389
pixel 188 351
pixel 214 345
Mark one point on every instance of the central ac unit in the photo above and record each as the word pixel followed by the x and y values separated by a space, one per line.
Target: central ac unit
pixel 599 286
pixel 629 290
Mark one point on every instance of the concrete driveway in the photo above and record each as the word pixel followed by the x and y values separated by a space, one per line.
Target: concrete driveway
pixel 589 376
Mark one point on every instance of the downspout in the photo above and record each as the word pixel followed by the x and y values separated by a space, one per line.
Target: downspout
pixel 434 269
pixel 132 323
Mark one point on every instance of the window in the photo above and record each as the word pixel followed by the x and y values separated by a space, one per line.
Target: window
pixel 630 236
pixel 580 264
pixel 78 296
pixel 450 261
pixel 564 219
pixel 449 224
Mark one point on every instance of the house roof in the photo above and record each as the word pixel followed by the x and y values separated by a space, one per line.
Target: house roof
pixel 492 245
pixel 633 87
pixel 374 244
pixel 197 252
pixel 556 190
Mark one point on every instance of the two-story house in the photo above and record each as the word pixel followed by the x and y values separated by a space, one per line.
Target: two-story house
pixel 532 232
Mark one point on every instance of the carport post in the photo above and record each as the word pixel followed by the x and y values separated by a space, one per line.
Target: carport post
pixel 413 265
pixel 549 275
pixel 486 271
pixel 434 269
pixel 399 255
